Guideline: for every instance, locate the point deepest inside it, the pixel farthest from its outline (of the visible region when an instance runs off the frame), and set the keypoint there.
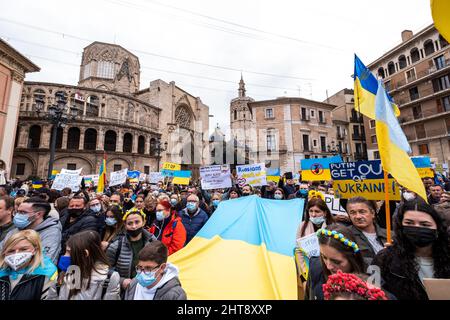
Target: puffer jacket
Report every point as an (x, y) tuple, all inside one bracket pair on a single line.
[(32, 286), (174, 233), (96, 287), (193, 223), (121, 259)]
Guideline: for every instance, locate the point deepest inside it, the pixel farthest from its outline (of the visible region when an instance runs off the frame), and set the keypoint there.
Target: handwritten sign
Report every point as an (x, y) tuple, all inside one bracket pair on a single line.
[(310, 244), (155, 177), (92, 177), (63, 180), (334, 206), (118, 177), (171, 166), (252, 174), (215, 177)]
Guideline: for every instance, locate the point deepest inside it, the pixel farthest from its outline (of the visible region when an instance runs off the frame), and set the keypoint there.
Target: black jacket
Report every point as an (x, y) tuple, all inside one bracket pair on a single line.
[(30, 287), (363, 243), (266, 194), (316, 279)]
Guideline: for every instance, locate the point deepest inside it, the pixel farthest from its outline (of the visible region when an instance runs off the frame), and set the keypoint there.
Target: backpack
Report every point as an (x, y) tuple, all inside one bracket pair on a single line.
[(105, 283)]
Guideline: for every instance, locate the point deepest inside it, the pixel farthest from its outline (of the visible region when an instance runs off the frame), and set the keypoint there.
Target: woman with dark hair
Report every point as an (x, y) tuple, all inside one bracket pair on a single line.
[(317, 215), (97, 280), (338, 251), (113, 225), (420, 250)]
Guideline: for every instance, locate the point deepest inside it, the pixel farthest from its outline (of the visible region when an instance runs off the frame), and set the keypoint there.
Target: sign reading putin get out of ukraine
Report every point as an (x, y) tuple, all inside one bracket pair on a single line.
[(362, 178)]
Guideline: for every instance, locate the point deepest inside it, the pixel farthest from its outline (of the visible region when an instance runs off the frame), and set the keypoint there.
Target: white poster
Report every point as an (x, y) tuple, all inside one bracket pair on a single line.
[(63, 180), (215, 177), (93, 177), (310, 244), (155, 177), (252, 174), (118, 177), (142, 177), (75, 172), (334, 205)]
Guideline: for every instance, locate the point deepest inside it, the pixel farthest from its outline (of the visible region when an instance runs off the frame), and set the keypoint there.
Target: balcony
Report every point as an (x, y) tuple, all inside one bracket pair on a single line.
[(410, 119), (423, 95)]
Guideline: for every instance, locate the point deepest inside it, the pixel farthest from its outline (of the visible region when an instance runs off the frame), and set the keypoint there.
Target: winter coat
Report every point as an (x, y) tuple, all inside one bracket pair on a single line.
[(96, 287), (193, 223), (120, 254), (32, 286), (5, 229), (309, 228), (173, 235), (50, 233), (168, 288), (316, 279), (363, 243)]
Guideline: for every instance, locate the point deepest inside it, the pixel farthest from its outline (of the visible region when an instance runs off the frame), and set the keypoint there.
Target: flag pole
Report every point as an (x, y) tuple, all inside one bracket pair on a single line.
[(387, 207)]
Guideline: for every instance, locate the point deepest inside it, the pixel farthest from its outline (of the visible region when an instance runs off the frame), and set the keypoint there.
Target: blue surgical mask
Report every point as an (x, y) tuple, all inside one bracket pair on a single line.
[(303, 192), (215, 203), (146, 280), (191, 206), (21, 221), (278, 196), (110, 221), (160, 215), (173, 202), (64, 263), (317, 220), (97, 208)]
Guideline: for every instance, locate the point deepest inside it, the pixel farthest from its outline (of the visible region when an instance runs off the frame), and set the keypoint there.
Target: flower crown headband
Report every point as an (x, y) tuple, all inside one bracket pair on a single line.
[(339, 236), (134, 211), (346, 282), (316, 194)]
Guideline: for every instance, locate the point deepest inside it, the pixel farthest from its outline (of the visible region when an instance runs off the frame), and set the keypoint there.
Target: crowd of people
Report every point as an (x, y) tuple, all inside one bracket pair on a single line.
[(119, 240)]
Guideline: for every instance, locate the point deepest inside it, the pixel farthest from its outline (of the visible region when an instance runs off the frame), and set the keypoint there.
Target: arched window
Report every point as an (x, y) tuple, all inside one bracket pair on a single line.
[(90, 139), (110, 141), (152, 146), (92, 104), (235, 114), (141, 145), (428, 47), (415, 55), (183, 117), (402, 62), (381, 72), (128, 142), (34, 137), (73, 139), (391, 68)]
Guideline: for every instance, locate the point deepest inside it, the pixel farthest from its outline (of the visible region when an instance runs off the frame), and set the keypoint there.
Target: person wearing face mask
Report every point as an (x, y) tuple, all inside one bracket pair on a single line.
[(278, 194), (317, 215), (247, 190), (25, 273), (175, 202), (150, 209), (113, 226), (193, 217), (96, 208), (420, 249), (33, 214), (123, 251), (168, 227), (215, 200), (303, 190), (156, 278), (77, 218), (268, 191)]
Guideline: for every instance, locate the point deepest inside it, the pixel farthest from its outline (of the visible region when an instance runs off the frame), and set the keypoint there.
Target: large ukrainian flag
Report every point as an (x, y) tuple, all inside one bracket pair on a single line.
[(244, 251), (318, 169), (366, 87), (440, 10)]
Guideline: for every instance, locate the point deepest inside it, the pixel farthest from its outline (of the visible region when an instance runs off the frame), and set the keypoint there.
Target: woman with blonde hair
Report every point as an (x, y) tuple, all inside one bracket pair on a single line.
[(25, 273)]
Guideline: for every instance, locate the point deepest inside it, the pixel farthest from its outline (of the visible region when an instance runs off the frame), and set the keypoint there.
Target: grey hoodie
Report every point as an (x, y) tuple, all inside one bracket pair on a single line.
[(50, 233)]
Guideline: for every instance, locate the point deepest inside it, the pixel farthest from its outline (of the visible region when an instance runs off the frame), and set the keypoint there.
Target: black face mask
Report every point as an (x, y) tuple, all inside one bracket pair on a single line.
[(75, 213), (420, 237), (134, 233), (245, 194)]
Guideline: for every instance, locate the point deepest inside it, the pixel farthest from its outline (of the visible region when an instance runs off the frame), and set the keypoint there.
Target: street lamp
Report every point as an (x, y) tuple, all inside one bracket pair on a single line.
[(158, 149), (58, 115)]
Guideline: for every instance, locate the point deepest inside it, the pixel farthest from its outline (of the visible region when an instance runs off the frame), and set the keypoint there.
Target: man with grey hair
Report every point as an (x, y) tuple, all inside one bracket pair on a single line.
[(193, 217)]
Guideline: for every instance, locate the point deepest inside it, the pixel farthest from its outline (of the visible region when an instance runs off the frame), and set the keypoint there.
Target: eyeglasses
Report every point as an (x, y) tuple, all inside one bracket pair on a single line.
[(146, 270)]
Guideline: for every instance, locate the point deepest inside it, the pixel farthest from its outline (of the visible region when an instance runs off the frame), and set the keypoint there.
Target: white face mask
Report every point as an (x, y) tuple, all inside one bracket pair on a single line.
[(408, 196), (17, 260)]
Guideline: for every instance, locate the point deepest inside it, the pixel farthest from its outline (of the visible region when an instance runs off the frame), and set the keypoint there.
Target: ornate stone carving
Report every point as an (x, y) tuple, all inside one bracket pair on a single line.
[(125, 71), (183, 117)]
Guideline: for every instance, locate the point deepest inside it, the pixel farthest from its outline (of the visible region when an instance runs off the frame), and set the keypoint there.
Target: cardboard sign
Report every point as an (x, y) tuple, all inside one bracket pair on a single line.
[(182, 177), (63, 180), (118, 177), (252, 174), (334, 206), (362, 178), (155, 177), (215, 177), (437, 289), (310, 244), (171, 166)]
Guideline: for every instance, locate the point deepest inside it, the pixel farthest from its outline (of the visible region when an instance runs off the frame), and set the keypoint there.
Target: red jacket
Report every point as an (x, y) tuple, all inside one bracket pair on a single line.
[(173, 235)]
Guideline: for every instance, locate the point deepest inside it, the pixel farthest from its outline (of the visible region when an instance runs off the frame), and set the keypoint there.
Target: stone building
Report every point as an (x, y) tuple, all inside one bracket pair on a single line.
[(416, 73), (114, 117), (13, 67), (282, 131)]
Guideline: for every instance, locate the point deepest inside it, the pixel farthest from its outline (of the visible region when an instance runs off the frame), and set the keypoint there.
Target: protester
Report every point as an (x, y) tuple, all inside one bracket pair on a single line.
[(289, 187), (61, 203), (193, 217), (435, 194), (97, 280), (156, 278), (116, 198), (123, 251), (368, 235), (215, 200), (25, 273), (428, 182), (95, 206), (268, 191), (6, 211), (168, 227), (338, 251), (420, 249), (317, 215), (247, 190), (303, 190), (114, 226), (278, 194)]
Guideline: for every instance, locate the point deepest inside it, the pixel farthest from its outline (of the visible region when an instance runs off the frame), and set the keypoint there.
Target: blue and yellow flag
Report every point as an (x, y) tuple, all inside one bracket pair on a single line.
[(273, 174), (394, 146), (423, 166), (181, 177), (37, 184), (440, 10), (318, 169), (245, 251), (134, 175), (102, 176), (366, 86)]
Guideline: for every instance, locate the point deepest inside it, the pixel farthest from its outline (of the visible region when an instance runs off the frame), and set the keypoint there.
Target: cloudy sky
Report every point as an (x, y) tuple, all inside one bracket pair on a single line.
[(283, 48)]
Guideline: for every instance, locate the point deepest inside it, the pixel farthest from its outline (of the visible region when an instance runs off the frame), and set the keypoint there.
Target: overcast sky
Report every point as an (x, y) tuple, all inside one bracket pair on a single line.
[(284, 47)]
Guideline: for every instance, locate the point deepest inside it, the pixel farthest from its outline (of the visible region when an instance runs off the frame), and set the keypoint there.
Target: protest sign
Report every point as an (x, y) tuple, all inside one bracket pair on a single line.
[(318, 169), (309, 244), (215, 177), (273, 174), (155, 177), (171, 166), (181, 177), (118, 177), (64, 180), (252, 174), (67, 171), (423, 165), (334, 206), (134, 175), (437, 289), (142, 177), (91, 178), (362, 178)]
